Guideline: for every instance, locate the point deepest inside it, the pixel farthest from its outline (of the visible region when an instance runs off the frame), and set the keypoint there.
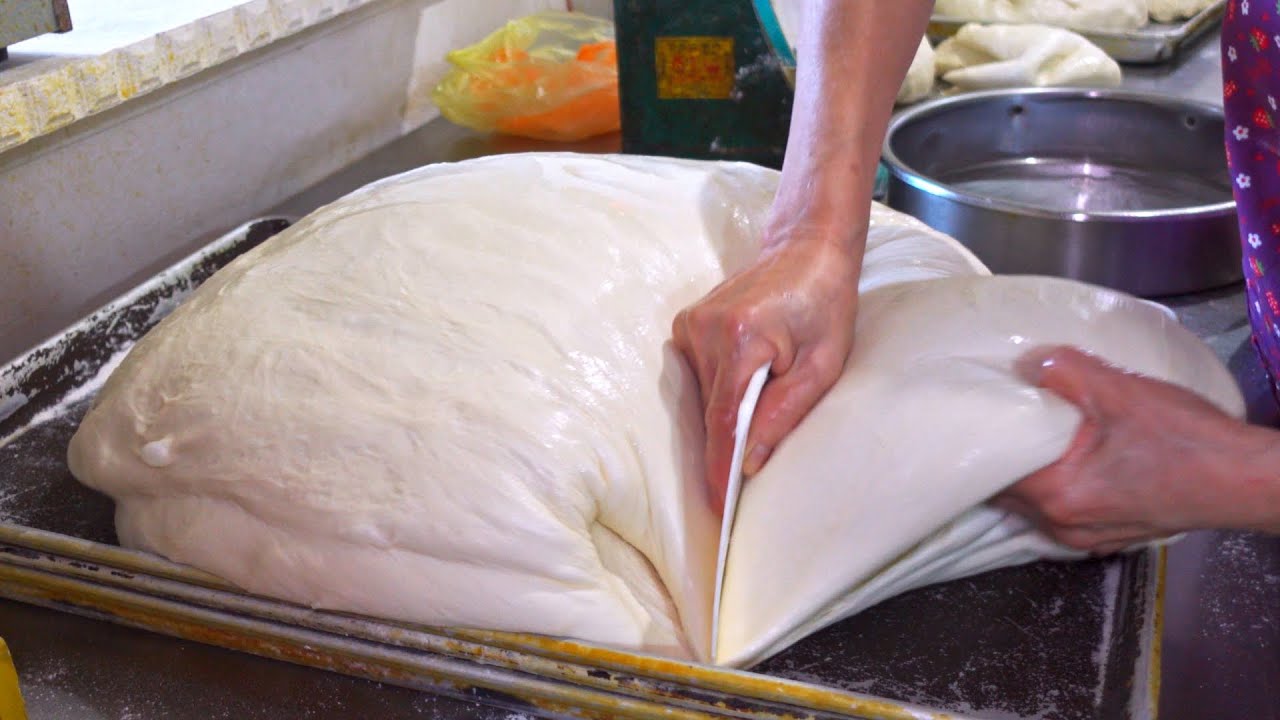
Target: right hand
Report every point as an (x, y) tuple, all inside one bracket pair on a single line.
[(1149, 460), (794, 308)]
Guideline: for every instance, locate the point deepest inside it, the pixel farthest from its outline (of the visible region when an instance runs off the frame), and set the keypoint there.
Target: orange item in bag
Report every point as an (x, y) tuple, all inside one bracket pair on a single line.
[(550, 76)]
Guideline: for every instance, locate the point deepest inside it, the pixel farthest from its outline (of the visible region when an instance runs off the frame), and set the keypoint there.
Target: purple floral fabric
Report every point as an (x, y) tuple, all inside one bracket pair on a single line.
[(1250, 86)]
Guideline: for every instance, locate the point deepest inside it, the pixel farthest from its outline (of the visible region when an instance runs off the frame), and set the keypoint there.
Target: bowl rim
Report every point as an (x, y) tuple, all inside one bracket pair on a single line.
[(907, 174)]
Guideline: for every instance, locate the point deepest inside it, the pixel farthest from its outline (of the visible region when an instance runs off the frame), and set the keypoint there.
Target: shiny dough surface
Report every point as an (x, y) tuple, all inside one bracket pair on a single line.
[(450, 398)]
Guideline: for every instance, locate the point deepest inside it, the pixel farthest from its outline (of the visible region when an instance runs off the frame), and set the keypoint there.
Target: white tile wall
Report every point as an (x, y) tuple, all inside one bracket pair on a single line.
[(110, 198)]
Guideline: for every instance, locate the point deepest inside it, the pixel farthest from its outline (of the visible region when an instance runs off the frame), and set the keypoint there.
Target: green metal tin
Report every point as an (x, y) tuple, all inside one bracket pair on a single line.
[(749, 123), (679, 44)]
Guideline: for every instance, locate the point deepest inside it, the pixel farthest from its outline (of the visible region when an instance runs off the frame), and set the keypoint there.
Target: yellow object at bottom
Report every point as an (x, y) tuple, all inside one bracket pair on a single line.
[(11, 705)]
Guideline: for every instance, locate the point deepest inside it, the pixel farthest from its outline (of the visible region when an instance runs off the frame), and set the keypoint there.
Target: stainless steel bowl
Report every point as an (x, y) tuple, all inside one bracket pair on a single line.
[(1120, 189)]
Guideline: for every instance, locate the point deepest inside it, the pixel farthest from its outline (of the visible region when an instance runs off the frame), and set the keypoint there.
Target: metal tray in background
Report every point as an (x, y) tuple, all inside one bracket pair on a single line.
[(1059, 641), (1148, 45)]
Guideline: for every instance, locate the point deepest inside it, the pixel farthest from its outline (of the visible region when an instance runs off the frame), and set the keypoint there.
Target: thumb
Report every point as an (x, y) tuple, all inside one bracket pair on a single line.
[(785, 401), (721, 418), (1077, 377)]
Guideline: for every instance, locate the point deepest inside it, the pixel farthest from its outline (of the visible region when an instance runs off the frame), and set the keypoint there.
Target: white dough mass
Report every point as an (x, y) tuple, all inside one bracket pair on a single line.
[(986, 57), (1169, 11), (918, 83), (449, 398), (1105, 15)]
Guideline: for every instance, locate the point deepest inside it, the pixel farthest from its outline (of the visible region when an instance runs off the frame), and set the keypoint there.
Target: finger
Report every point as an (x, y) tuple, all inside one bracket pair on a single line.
[(1032, 490), (1099, 539), (1125, 544), (1103, 540), (702, 364), (728, 388), (680, 332), (1076, 377), (786, 401), (1011, 502)]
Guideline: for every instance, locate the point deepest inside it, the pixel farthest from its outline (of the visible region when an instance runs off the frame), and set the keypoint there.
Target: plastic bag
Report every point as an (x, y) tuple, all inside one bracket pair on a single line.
[(549, 76)]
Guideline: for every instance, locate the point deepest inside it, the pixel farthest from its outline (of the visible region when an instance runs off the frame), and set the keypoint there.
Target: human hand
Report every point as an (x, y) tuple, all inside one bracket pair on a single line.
[(795, 308), (1149, 459)]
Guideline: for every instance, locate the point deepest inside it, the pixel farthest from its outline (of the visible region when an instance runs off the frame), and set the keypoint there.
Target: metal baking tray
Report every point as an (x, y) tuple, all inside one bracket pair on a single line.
[(1148, 45), (1054, 641)]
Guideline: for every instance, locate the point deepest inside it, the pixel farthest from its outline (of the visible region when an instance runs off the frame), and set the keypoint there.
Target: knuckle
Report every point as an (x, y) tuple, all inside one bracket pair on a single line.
[(717, 323), (680, 336), (1050, 493), (697, 321), (1056, 513), (737, 320), (826, 365), (1078, 539), (680, 322), (720, 412), (1063, 508)]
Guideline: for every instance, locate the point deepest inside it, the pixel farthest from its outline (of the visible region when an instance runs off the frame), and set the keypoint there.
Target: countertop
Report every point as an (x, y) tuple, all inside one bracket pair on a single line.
[(1222, 622)]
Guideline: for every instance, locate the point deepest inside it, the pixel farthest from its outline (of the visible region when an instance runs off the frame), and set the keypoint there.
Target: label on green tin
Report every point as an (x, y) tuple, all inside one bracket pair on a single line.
[(694, 67)]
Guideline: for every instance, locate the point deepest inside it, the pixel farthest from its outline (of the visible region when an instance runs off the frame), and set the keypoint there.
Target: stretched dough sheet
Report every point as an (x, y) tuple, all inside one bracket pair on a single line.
[(928, 421), (733, 488)]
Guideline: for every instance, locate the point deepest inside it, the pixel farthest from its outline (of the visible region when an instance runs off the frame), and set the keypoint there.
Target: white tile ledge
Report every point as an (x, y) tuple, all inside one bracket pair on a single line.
[(42, 96)]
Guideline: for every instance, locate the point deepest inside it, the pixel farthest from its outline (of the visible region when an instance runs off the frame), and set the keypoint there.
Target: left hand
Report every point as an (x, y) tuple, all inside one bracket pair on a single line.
[(794, 310), (1149, 460)]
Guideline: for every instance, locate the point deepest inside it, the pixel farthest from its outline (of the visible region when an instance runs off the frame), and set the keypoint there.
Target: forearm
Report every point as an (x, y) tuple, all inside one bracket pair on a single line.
[(852, 58), (1250, 486)]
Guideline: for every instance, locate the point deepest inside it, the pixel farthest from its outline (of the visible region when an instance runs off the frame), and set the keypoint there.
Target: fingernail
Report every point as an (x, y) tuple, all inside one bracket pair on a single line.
[(755, 460)]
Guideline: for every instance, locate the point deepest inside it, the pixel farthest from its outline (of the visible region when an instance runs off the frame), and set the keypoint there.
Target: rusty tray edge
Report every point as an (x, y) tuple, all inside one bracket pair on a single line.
[(91, 579)]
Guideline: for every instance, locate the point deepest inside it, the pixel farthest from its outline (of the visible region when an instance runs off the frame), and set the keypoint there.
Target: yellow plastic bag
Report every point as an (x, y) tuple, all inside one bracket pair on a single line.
[(549, 76)]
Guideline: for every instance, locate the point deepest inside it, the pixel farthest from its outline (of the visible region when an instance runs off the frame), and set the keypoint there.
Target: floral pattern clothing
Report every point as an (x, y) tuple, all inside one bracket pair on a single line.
[(1250, 91)]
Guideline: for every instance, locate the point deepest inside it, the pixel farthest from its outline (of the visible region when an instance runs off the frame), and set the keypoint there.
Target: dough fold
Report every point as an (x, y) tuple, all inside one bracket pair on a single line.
[(919, 80), (984, 57), (1170, 11), (449, 398)]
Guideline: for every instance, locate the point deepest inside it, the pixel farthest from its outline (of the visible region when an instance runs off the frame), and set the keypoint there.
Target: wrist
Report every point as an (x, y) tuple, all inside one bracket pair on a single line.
[(803, 213), (830, 244), (832, 188), (1249, 480)]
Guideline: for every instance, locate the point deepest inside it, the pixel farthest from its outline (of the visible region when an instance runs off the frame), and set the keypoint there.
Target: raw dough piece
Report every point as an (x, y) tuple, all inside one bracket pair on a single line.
[(919, 81), (1106, 15), (983, 57), (1169, 11), (449, 398)]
